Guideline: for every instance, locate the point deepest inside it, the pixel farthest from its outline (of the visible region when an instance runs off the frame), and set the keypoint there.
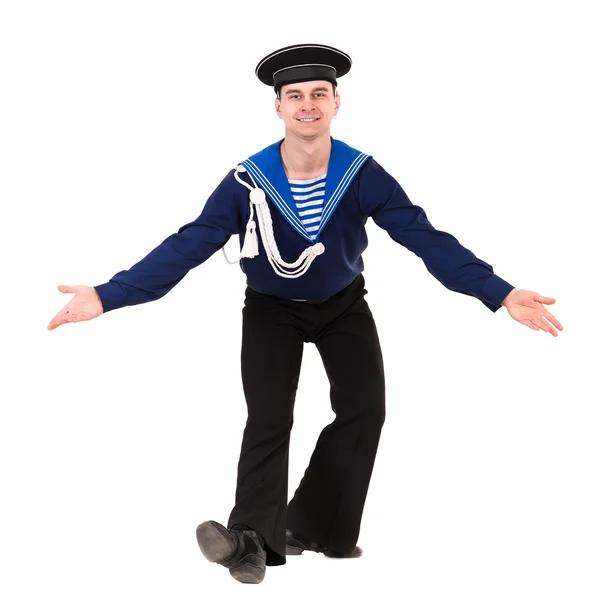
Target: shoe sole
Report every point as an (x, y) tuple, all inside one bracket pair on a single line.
[(295, 551), (214, 541), (356, 553), (216, 546), (247, 573)]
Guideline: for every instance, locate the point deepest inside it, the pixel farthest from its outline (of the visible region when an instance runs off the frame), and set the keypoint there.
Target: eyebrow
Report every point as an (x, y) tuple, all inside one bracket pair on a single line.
[(318, 89)]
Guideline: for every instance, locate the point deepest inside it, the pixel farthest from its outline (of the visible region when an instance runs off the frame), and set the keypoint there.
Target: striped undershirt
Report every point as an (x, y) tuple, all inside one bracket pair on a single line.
[(309, 194)]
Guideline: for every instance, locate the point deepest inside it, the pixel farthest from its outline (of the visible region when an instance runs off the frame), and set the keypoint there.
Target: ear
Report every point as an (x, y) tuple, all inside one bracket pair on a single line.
[(337, 104), (278, 107)]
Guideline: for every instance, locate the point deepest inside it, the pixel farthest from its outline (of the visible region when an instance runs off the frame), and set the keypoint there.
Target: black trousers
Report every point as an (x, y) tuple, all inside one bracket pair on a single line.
[(327, 507)]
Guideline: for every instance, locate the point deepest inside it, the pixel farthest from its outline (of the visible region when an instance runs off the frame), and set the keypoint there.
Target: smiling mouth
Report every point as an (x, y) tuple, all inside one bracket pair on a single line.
[(309, 120)]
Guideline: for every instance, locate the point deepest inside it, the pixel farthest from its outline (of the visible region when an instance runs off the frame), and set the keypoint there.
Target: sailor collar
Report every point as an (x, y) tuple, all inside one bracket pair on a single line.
[(266, 167)]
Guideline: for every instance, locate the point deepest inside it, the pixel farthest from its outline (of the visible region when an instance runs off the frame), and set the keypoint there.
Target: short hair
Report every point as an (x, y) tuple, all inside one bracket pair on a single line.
[(278, 91)]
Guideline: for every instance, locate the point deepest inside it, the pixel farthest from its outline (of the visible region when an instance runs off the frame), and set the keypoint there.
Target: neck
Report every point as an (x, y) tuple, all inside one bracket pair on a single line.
[(303, 159)]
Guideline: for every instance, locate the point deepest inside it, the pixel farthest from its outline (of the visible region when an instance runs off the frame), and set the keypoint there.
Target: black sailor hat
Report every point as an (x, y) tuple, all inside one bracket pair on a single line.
[(303, 62)]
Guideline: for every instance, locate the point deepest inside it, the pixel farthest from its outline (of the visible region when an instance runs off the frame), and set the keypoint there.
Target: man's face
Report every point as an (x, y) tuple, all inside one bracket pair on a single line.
[(307, 108)]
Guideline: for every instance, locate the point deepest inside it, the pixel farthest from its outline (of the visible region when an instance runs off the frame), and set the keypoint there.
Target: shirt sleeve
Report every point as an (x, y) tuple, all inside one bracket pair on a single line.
[(224, 214), (454, 266)]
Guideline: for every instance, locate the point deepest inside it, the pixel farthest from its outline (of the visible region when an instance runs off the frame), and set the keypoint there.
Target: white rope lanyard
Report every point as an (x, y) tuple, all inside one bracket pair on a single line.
[(250, 248)]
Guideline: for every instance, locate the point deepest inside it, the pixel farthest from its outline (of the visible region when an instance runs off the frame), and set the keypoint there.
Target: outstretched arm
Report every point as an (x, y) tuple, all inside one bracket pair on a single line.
[(456, 267), (223, 215)]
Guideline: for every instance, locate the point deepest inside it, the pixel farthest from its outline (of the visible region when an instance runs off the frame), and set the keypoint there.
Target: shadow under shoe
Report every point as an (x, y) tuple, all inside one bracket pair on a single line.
[(295, 546), (237, 550)]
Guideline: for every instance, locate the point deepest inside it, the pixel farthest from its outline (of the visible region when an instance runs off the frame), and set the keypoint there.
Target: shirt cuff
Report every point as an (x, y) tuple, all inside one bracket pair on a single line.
[(111, 295), (494, 290)]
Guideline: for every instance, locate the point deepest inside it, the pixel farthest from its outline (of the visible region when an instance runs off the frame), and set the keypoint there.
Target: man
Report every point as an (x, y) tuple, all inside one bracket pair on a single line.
[(309, 196)]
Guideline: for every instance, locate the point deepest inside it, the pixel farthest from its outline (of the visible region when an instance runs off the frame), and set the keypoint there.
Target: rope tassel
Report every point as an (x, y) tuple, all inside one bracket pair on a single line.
[(250, 248)]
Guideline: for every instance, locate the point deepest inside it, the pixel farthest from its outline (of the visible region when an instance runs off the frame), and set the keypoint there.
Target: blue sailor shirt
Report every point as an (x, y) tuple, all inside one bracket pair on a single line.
[(373, 193)]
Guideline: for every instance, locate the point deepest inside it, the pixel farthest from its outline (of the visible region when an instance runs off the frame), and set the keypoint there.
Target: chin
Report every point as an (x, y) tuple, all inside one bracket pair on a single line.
[(312, 133)]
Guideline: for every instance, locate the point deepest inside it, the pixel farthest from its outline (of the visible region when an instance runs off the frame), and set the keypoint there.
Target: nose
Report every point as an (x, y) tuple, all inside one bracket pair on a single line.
[(307, 104)]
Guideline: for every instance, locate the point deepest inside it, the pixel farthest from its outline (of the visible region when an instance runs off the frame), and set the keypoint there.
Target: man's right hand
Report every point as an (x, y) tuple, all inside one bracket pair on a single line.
[(85, 305)]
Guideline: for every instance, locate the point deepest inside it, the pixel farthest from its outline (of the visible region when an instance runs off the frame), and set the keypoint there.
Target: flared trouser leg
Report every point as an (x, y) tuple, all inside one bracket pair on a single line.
[(271, 356), (327, 507)]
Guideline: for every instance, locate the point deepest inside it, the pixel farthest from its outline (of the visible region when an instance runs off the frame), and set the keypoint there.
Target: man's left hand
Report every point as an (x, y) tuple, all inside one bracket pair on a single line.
[(527, 307)]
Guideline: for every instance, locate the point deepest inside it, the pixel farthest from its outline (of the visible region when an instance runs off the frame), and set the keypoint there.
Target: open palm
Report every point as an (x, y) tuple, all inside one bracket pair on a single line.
[(85, 305), (528, 308)]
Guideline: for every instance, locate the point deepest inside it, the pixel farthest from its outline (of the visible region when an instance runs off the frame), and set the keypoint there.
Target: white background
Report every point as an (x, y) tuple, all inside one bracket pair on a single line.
[(119, 435)]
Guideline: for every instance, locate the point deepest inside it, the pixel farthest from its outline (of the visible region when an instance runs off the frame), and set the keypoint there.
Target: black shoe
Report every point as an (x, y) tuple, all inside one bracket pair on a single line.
[(237, 550), (294, 546)]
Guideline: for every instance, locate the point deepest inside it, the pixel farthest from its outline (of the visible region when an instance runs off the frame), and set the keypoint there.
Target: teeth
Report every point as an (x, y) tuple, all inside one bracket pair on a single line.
[(308, 119)]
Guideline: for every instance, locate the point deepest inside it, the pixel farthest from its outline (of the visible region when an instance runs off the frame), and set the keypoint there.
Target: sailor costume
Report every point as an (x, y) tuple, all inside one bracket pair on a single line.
[(287, 262)]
